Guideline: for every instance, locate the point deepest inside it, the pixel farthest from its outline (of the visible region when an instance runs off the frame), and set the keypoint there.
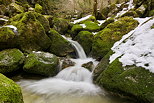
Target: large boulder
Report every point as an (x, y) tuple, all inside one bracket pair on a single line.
[(59, 46), (132, 81), (41, 63), (85, 38), (32, 28), (10, 92), (10, 60), (113, 32)]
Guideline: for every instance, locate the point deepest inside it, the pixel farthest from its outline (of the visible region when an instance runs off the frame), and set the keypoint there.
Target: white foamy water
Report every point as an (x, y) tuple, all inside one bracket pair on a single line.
[(72, 82)]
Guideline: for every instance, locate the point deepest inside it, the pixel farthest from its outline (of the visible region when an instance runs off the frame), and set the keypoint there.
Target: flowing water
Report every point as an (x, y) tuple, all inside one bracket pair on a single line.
[(71, 85)]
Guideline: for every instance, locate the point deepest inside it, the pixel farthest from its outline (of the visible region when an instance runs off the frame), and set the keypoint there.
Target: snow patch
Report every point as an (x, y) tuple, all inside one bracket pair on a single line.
[(83, 25), (137, 47), (3, 19), (82, 19)]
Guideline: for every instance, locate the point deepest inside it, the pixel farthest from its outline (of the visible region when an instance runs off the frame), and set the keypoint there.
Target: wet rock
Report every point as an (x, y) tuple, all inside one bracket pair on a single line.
[(67, 63), (10, 92), (88, 65), (10, 60), (41, 63)]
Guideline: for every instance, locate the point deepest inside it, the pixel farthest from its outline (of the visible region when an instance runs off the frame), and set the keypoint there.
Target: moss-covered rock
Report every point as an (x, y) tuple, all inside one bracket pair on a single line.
[(50, 19), (110, 10), (61, 25), (132, 81), (10, 60), (130, 13), (10, 92), (32, 28), (85, 38), (59, 46), (105, 39), (85, 26), (91, 26), (76, 29), (108, 21), (41, 63), (38, 8), (7, 38)]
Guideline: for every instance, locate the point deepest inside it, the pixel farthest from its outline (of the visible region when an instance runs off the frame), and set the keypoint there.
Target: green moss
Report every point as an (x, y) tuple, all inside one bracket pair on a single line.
[(108, 21), (59, 46), (32, 28), (91, 26), (76, 29), (102, 65), (41, 63), (10, 60), (91, 18), (38, 8), (85, 38), (132, 81), (113, 32), (9, 91)]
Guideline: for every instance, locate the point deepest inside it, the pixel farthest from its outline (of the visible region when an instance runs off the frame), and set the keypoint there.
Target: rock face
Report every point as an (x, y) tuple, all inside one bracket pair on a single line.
[(31, 28), (85, 38), (113, 32), (41, 63), (59, 46), (88, 66), (9, 91), (132, 81), (10, 60)]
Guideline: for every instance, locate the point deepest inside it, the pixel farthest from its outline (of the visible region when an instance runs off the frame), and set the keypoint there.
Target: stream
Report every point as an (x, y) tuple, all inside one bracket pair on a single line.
[(71, 85)]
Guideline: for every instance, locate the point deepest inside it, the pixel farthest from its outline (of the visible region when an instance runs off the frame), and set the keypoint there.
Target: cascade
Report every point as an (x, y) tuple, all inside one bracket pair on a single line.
[(74, 81)]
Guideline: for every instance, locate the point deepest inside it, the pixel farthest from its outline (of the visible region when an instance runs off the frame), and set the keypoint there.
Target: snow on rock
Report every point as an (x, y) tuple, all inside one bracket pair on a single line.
[(12, 27), (101, 22), (83, 25), (137, 47), (82, 19), (130, 6), (3, 19)]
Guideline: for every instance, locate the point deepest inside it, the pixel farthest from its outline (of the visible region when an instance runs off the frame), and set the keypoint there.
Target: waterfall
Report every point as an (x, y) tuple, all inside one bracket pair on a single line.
[(80, 52), (73, 81)]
